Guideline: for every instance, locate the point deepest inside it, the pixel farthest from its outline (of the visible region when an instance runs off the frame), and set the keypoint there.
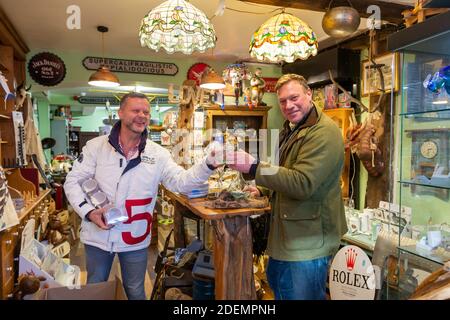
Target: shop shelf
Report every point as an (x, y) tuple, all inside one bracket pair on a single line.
[(428, 255), (431, 185)]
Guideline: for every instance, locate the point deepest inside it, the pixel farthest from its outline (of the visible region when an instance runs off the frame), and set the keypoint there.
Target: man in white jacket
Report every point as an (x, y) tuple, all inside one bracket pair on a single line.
[(128, 168)]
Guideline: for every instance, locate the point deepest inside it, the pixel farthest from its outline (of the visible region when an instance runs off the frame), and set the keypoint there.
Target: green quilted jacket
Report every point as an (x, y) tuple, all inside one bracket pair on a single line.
[(308, 219)]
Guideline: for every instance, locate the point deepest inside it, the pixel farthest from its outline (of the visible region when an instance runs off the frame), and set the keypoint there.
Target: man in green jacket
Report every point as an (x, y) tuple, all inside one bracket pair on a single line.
[(308, 219)]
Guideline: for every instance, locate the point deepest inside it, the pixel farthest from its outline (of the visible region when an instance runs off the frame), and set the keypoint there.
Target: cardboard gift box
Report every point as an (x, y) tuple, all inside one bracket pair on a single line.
[(109, 290)]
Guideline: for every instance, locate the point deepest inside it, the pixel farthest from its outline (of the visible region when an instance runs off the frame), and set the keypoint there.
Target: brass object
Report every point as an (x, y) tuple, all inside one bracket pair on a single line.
[(103, 74), (212, 81), (340, 22)]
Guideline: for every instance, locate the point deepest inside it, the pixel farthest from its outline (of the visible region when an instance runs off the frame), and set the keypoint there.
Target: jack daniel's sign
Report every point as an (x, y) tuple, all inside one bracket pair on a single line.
[(131, 66), (47, 69), (352, 276)]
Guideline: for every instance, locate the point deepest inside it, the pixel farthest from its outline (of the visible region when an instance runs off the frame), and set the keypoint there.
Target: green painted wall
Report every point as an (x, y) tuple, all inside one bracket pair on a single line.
[(92, 122), (43, 111)]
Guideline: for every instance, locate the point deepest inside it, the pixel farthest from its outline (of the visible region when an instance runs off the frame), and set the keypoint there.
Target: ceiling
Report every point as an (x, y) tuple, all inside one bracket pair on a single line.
[(42, 25)]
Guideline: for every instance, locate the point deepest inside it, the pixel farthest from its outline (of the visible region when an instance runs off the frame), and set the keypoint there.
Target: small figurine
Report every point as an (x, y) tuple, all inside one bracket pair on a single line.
[(439, 80), (248, 97), (257, 85), (21, 94), (234, 74)]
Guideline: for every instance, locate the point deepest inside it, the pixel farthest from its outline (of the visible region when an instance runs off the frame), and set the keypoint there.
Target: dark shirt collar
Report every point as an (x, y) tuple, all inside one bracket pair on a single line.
[(308, 120), (114, 138)]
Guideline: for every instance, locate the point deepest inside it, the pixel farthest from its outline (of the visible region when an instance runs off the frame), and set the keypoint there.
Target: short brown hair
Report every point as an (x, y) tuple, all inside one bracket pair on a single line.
[(130, 95), (291, 77)]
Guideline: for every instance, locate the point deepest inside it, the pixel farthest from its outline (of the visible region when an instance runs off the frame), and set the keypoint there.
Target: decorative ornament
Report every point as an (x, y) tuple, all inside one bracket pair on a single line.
[(177, 26), (340, 22), (196, 71), (234, 74), (258, 86), (283, 37), (441, 79)]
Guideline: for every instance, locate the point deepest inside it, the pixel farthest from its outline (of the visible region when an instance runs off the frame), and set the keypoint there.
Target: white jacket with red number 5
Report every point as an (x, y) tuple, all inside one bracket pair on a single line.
[(131, 187)]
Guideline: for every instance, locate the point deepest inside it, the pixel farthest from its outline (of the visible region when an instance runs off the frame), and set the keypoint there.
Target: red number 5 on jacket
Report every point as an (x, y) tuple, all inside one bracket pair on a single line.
[(129, 204)]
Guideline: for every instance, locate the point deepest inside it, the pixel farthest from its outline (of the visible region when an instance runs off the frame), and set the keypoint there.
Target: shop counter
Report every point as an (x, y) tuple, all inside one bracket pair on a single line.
[(233, 249)]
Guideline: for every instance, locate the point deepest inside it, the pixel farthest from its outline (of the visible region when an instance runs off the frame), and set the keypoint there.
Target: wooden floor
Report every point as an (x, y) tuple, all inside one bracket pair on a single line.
[(77, 257)]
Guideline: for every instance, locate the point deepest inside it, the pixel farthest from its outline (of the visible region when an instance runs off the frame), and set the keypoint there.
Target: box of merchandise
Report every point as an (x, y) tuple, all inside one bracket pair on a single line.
[(109, 290), (40, 260)]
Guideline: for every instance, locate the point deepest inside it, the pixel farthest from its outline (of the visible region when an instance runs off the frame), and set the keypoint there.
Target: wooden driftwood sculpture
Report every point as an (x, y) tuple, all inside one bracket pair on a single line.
[(434, 287), (176, 294), (235, 200)]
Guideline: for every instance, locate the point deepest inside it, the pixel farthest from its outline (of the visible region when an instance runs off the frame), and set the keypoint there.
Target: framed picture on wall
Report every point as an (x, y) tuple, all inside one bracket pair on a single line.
[(318, 97), (371, 81), (331, 96)]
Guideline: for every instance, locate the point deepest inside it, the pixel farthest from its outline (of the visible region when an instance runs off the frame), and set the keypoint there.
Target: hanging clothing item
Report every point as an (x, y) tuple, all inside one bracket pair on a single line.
[(33, 144)]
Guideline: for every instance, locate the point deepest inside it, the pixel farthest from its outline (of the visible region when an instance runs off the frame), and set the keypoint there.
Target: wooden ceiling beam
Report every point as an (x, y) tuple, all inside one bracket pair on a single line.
[(10, 37), (389, 11)]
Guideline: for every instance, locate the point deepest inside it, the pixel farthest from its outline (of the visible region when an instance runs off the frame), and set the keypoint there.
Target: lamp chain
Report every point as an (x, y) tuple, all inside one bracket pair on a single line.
[(103, 48)]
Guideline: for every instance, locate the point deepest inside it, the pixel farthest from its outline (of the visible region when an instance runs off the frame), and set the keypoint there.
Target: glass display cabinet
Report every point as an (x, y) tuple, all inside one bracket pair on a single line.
[(422, 181)]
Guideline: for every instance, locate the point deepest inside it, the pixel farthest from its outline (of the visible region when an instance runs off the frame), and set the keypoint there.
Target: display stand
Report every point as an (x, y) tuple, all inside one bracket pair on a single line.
[(233, 255)]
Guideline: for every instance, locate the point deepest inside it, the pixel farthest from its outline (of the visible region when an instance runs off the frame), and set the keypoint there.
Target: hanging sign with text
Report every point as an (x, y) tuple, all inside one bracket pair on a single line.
[(131, 66), (47, 69), (352, 276)]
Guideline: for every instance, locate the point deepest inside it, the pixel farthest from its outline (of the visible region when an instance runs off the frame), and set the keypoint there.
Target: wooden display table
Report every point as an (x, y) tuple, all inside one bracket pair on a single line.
[(233, 250)]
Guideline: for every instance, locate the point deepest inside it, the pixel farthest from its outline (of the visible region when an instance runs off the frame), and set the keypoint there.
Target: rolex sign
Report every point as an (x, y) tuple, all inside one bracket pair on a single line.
[(352, 276)]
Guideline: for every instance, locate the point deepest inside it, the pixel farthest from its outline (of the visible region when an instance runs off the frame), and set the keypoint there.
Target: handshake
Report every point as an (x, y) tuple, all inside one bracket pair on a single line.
[(237, 160)]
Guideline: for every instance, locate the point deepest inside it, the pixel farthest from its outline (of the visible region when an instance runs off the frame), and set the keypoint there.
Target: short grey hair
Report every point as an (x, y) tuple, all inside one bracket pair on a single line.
[(131, 95), (291, 77)]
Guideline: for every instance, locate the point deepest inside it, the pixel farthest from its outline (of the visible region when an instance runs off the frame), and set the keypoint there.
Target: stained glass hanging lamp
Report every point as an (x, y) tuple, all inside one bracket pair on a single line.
[(283, 37), (177, 26)]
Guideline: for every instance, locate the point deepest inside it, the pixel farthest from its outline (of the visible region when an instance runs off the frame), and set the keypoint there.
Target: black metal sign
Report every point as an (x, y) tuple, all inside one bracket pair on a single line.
[(114, 101), (131, 66), (98, 100), (47, 69)]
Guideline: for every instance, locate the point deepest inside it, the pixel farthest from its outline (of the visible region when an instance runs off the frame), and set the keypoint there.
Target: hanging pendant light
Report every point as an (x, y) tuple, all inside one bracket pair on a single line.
[(177, 26), (283, 37), (103, 77), (212, 81), (340, 22)]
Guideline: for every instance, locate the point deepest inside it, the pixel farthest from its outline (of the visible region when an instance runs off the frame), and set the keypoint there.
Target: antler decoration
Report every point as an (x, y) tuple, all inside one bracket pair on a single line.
[(347, 96)]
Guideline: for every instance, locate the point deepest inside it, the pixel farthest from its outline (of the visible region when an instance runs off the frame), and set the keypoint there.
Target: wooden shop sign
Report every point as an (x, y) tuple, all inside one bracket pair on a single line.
[(47, 69), (131, 66)]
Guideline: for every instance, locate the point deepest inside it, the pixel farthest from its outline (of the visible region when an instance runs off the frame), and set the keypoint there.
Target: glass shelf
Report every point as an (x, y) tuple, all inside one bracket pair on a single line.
[(433, 114), (410, 182), (422, 254), (421, 179)]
